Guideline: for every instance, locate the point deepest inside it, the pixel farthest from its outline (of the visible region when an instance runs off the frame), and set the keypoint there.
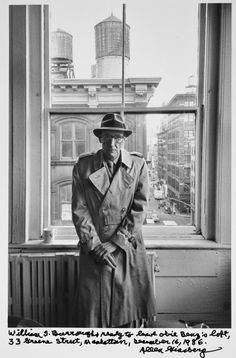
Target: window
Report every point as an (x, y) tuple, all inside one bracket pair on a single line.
[(72, 140), (158, 138), (31, 155), (60, 200), (61, 203), (189, 133), (189, 118), (187, 158), (167, 178)]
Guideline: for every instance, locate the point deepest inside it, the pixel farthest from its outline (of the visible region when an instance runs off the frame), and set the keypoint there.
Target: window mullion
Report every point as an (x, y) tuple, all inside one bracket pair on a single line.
[(223, 199), (73, 140), (18, 100), (132, 110), (211, 91), (199, 116)]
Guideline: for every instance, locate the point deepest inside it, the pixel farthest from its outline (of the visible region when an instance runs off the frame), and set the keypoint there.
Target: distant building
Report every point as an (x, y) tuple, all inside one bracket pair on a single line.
[(175, 143), (72, 135)]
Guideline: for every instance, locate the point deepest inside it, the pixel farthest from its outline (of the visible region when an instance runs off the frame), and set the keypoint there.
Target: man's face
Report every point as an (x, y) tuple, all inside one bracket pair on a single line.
[(112, 143)]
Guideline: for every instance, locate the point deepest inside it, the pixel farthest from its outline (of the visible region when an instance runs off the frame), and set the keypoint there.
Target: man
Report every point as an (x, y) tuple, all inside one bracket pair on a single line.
[(109, 198)]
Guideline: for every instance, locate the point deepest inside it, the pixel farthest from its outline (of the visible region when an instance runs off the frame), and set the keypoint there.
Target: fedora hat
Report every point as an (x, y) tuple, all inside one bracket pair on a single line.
[(112, 122)]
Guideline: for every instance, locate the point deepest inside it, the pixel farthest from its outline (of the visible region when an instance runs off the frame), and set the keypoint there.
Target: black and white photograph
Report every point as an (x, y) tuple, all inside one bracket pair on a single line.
[(118, 204)]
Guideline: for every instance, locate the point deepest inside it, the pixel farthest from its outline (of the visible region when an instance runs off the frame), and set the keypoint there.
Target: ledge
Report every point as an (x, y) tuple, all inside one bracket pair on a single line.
[(188, 243), (155, 238), (194, 243)]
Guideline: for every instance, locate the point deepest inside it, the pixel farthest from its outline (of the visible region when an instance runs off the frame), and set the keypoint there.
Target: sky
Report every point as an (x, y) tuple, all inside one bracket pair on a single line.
[(163, 38)]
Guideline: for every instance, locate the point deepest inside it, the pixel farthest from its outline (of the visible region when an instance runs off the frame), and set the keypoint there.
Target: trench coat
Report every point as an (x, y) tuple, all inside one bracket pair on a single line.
[(101, 211)]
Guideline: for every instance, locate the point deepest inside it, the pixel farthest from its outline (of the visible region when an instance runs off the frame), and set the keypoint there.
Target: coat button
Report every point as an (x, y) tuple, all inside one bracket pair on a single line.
[(123, 210)]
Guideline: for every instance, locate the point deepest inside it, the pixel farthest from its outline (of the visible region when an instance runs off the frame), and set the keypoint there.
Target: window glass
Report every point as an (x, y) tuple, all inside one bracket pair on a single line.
[(66, 131), (86, 45), (172, 189), (65, 193), (61, 203), (86, 73), (79, 148), (66, 212), (72, 142), (65, 202), (67, 149), (169, 153), (79, 131)]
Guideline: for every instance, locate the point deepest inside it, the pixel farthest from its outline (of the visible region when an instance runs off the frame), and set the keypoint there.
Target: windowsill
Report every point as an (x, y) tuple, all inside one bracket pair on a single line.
[(154, 238), (161, 244)]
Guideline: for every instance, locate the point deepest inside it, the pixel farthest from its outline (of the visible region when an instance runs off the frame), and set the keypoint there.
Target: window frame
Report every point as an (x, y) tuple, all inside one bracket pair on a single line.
[(190, 230), (29, 41)]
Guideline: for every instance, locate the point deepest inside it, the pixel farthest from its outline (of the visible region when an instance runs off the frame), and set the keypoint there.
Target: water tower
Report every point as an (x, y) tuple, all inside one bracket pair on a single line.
[(61, 55), (108, 42)]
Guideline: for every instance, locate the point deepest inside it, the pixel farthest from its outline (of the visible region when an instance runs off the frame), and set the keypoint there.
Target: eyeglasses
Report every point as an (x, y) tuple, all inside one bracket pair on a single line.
[(107, 138)]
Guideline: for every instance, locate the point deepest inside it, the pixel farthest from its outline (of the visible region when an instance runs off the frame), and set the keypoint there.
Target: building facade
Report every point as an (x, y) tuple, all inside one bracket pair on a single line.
[(175, 143)]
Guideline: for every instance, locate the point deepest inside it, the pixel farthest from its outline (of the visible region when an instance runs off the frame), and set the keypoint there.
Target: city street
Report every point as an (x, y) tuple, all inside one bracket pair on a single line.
[(156, 214)]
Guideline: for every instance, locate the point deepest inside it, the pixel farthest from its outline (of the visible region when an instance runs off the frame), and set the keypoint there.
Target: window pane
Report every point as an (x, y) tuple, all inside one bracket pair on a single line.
[(86, 73), (67, 149), (65, 193), (86, 46), (170, 170), (66, 131), (66, 212), (68, 192), (79, 131), (169, 151), (79, 148)]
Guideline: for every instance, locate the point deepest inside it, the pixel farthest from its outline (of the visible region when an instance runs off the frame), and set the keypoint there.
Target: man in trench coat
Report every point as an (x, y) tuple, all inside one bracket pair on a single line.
[(109, 199)]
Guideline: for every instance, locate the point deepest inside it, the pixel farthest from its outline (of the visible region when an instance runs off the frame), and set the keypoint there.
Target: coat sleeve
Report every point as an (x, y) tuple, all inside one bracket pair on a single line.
[(88, 237), (134, 219)]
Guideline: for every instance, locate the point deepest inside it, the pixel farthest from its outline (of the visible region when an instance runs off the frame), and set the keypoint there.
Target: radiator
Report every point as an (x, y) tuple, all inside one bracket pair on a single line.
[(42, 286)]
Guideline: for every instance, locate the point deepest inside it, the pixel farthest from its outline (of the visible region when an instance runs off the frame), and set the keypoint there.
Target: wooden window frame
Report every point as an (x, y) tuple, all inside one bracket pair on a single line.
[(30, 112)]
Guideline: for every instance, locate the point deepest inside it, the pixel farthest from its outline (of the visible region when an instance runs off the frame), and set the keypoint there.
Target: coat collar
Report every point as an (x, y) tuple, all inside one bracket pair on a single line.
[(98, 160), (100, 178), (125, 159)]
